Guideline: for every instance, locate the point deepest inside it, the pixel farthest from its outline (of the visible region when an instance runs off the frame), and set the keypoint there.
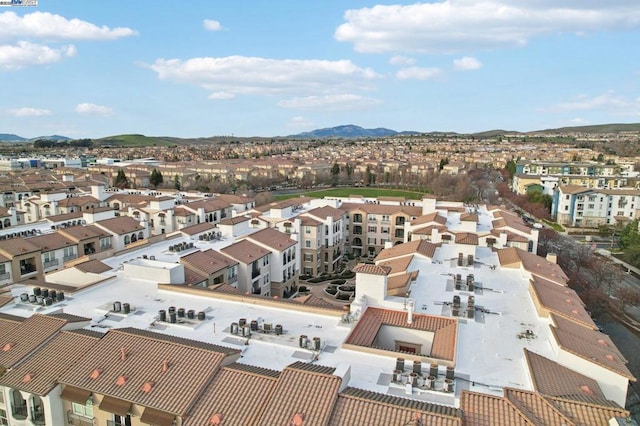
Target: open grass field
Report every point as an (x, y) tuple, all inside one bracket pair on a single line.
[(134, 140), (345, 192)]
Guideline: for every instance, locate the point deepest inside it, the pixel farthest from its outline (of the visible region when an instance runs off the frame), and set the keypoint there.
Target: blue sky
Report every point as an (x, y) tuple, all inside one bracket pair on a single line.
[(266, 68)]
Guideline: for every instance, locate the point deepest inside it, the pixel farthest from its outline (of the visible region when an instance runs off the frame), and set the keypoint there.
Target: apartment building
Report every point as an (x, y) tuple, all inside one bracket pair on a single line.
[(576, 206)]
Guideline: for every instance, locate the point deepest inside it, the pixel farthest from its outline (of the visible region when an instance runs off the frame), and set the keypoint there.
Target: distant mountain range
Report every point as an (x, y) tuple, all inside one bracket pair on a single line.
[(10, 137), (350, 131), (345, 131)]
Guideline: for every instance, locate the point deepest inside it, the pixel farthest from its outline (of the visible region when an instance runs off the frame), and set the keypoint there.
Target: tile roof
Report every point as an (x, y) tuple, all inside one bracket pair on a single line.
[(444, 329), (540, 266), (92, 266), (272, 238), (369, 269), (208, 262), (552, 379), (487, 410), (27, 336), (429, 218), (197, 229), (423, 247), (587, 413), (39, 373), (53, 241), (509, 257), (80, 232), (245, 251), (561, 301), (468, 238), (5, 300), (535, 407), (190, 367), (239, 393), (397, 265), (573, 189), (383, 209), (326, 211), (469, 217), (592, 345), (120, 225), (361, 407), (235, 220), (307, 389), (16, 247)]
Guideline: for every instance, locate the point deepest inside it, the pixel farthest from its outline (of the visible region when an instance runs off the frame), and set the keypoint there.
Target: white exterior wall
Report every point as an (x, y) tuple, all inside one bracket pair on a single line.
[(614, 386), (163, 272), (372, 287)]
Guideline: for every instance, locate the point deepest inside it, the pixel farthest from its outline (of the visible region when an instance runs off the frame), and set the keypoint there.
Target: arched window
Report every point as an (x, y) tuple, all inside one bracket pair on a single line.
[(140, 235), (127, 240)]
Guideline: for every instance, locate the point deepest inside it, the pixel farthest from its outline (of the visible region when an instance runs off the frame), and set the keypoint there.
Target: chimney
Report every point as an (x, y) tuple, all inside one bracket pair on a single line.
[(123, 354), (410, 305), (552, 257), (298, 420)]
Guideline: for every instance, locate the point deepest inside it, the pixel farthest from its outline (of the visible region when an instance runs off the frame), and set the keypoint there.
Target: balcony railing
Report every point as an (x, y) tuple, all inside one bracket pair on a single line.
[(19, 412), (50, 263), (37, 416), (69, 257), (78, 420), (5, 276)]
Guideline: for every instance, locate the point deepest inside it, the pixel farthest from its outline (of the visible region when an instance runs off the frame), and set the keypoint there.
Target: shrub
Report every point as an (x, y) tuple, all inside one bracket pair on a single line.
[(343, 296), (303, 289), (338, 282), (331, 290)]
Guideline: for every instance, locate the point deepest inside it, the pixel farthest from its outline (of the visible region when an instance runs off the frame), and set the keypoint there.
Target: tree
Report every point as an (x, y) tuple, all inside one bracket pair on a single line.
[(176, 183), (335, 169), (511, 167), (443, 162), (156, 178), (121, 180)]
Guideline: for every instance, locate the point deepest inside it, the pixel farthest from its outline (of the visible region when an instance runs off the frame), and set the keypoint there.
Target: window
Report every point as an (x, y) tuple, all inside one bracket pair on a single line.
[(83, 410), (372, 229), (371, 217), (371, 241), (105, 242), (3, 418), (385, 229), (265, 261), (49, 256), (308, 258), (357, 217), (307, 229), (307, 244), (231, 273), (69, 251), (385, 218), (3, 270)]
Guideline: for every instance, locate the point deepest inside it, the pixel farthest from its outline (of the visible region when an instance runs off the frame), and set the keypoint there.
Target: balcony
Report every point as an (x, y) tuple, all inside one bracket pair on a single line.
[(78, 420), (255, 273)]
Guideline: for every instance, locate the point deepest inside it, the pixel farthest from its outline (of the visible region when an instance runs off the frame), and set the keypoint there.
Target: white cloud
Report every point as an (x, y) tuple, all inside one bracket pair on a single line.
[(448, 26), (466, 63), (93, 109), (55, 27), (253, 75), (418, 73), (222, 95), (401, 60), (578, 121), (341, 102), (29, 112), (608, 100), (299, 122), (211, 25), (24, 54)]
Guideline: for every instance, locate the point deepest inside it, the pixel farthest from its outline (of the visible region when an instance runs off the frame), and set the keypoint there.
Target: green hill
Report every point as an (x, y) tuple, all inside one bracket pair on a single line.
[(134, 140)]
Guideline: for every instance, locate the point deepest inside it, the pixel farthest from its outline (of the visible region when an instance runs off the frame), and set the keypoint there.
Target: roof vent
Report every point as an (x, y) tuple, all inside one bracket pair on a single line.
[(121, 381), (216, 420), (146, 388), (297, 420), (8, 346), (586, 389), (28, 377), (165, 366), (95, 373), (609, 357), (123, 354)]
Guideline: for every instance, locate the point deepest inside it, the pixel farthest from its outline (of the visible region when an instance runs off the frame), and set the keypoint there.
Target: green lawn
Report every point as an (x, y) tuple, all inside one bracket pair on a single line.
[(345, 192)]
